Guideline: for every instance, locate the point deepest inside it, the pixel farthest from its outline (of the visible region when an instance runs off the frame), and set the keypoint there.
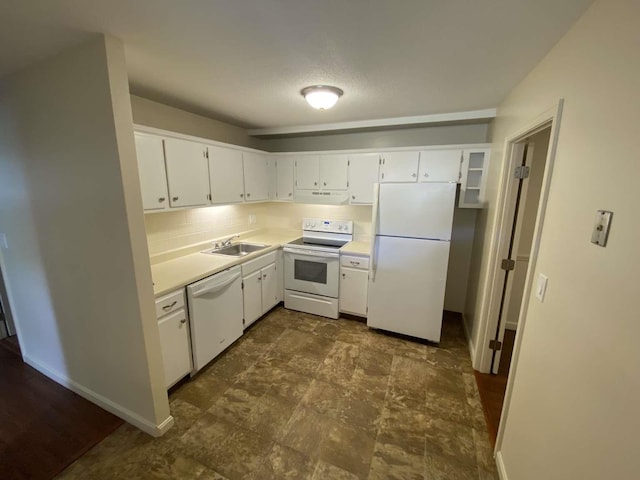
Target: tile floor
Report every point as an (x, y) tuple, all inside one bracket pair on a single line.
[(303, 397)]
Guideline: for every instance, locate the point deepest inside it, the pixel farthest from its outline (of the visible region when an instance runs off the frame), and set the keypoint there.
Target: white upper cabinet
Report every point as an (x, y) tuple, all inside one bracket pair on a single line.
[(187, 173), (284, 178), (399, 166), (334, 172), (256, 177), (440, 165), (153, 177), (473, 181), (363, 174), (226, 175), (307, 172)]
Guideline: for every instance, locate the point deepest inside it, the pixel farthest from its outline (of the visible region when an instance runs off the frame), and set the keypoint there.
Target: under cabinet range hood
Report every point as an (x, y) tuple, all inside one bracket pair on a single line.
[(322, 197)]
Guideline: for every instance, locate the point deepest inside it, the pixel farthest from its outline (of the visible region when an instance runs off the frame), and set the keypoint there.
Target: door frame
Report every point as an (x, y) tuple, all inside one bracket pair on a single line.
[(549, 118)]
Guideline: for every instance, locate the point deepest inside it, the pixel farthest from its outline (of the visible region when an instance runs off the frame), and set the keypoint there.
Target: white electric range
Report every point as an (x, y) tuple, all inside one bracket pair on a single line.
[(312, 266)]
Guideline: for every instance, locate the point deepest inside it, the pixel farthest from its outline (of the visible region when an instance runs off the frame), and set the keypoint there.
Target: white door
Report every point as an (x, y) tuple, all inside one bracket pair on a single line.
[(153, 177), (256, 177), (307, 172), (226, 175), (174, 343), (187, 173), (269, 287), (334, 172), (399, 166), (284, 179), (440, 165), (363, 174), (419, 210), (406, 286), (252, 297), (353, 291)]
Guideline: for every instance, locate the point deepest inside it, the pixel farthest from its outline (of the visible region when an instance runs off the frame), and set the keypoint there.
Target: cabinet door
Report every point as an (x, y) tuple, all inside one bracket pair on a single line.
[(307, 172), (284, 178), (334, 172), (226, 175), (187, 173), (363, 173), (252, 297), (353, 291), (473, 181), (174, 343), (440, 166), (280, 274), (269, 287), (399, 167), (153, 177), (256, 177)]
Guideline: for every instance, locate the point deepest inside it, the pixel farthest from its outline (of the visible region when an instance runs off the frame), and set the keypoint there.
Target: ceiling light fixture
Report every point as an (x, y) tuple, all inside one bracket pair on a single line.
[(321, 97)]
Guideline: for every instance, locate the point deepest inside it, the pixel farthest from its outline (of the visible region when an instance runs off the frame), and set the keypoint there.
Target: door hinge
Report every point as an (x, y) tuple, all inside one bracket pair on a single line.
[(521, 172), (507, 264), (244, 321), (242, 285), (382, 175), (495, 345)]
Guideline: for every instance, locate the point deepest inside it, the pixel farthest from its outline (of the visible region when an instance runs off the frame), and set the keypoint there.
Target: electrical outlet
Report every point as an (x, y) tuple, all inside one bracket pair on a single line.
[(252, 219), (541, 287)]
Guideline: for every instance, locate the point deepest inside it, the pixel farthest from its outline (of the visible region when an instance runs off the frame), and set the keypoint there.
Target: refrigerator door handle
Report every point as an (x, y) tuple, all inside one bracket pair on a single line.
[(374, 231)]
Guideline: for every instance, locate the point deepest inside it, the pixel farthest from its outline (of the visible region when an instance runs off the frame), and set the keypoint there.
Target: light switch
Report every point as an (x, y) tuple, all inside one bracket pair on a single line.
[(541, 287), (601, 228)]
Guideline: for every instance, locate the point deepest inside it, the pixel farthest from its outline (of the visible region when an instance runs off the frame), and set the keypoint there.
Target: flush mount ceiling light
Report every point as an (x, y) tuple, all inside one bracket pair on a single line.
[(321, 97)]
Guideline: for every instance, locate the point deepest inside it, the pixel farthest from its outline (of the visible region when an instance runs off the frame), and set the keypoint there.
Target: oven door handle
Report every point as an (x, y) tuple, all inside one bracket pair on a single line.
[(311, 253)]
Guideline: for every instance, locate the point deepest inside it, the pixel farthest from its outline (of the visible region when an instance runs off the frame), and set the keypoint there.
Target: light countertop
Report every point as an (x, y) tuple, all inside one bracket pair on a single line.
[(170, 275)]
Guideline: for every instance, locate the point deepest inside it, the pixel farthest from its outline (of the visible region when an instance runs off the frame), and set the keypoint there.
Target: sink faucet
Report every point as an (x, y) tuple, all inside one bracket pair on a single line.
[(227, 242)]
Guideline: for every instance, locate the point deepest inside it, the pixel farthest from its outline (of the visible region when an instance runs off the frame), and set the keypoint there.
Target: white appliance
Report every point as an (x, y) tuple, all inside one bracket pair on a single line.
[(312, 266), (409, 258), (215, 312)]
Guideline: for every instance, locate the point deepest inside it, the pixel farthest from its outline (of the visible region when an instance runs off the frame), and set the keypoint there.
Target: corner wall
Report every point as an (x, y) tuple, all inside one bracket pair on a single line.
[(76, 267), (575, 387)]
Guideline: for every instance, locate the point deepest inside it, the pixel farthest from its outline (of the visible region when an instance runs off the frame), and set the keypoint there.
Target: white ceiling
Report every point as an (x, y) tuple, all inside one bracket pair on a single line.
[(245, 61)]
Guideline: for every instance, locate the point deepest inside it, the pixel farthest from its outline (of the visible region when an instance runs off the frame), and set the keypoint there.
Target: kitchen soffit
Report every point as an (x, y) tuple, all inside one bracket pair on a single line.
[(245, 62)]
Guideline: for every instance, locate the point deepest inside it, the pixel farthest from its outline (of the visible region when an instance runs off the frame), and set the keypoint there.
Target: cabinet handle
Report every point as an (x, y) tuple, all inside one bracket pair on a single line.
[(248, 195), (259, 278), (161, 199), (344, 275), (426, 175), (353, 197), (264, 276), (315, 183), (413, 175), (166, 308), (184, 320), (290, 194), (354, 263), (325, 184), (241, 195), (175, 198)]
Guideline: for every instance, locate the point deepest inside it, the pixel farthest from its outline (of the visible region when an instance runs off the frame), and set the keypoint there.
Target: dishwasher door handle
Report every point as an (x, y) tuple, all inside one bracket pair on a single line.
[(214, 287)]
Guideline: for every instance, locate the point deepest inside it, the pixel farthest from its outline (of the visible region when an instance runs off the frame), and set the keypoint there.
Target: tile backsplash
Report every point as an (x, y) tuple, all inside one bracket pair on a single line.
[(173, 230)]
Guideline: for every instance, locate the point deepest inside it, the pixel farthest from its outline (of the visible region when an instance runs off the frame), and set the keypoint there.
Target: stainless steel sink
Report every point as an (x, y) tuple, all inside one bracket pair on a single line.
[(237, 249)]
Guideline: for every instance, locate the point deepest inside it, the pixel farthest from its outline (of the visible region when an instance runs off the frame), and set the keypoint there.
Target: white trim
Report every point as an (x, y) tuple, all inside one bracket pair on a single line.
[(502, 471), (470, 345), (115, 408), (511, 326), (552, 117), (486, 114)]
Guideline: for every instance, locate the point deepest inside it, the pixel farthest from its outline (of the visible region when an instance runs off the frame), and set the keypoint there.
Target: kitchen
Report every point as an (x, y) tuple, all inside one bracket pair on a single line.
[(65, 200)]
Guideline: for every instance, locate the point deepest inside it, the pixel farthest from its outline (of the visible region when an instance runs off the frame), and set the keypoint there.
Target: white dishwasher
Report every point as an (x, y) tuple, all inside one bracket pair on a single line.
[(215, 312)]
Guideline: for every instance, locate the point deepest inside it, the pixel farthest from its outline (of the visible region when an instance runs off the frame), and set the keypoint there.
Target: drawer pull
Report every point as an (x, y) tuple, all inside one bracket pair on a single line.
[(354, 263), (184, 320), (166, 308)]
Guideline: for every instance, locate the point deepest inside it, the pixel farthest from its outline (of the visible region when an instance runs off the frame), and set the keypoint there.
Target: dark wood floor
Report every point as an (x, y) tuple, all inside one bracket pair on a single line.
[(493, 387), (43, 426)]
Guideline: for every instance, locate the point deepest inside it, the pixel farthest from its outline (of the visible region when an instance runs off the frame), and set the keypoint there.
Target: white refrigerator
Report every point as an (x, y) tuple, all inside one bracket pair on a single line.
[(409, 257)]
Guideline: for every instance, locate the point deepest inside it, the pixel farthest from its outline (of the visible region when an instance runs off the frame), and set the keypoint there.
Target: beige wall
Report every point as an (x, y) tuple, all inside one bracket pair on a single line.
[(76, 267), (153, 114), (400, 137), (576, 388)]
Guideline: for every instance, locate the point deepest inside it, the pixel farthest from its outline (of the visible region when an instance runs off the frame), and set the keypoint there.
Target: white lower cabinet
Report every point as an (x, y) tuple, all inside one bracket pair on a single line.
[(261, 286), (174, 337), (354, 283)]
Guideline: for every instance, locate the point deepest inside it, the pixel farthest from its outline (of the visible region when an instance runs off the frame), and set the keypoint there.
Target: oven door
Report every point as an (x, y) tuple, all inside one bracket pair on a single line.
[(311, 271)]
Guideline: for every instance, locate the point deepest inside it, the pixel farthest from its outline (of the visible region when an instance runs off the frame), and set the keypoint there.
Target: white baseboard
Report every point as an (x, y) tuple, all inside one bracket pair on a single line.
[(502, 472), (110, 406), (470, 345)]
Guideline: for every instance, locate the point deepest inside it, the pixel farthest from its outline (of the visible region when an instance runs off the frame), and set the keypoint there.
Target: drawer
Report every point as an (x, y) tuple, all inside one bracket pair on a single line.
[(354, 262), (169, 303), (257, 263)]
